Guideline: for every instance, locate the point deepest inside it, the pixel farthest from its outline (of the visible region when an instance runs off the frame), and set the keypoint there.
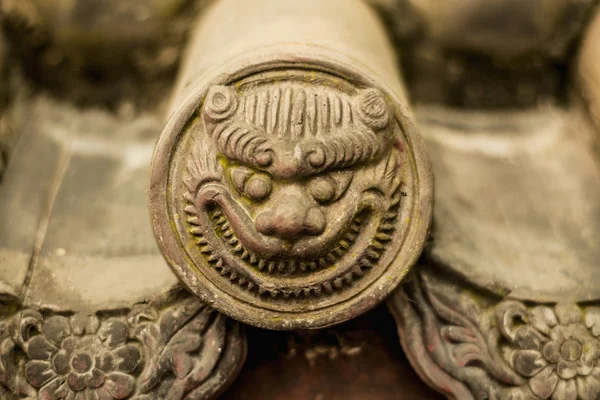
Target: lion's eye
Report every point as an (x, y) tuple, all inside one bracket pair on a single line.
[(322, 189), (255, 185), (258, 186), (330, 187)]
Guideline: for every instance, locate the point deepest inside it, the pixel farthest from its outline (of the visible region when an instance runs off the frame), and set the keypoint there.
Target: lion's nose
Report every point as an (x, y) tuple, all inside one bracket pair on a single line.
[(290, 218)]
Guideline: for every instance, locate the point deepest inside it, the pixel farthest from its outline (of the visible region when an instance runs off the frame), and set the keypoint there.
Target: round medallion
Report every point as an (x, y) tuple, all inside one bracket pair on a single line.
[(291, 197)]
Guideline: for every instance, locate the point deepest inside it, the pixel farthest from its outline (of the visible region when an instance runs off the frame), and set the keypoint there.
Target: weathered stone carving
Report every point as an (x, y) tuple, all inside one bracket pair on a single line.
[(470, 345), (185, 350), (294, 194)]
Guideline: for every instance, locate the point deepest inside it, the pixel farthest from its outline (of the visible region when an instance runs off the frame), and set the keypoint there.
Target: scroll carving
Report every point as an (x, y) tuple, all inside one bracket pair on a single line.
[(470, 347)]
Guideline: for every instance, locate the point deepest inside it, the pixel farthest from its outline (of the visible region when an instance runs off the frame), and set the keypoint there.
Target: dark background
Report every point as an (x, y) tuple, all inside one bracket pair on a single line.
[(359, 359)]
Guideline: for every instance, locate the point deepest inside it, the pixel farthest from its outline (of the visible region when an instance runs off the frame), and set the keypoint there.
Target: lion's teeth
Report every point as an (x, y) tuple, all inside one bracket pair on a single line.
[(378, 245), (205, 249), (372, 254), (383, 237), (238, 248), (191, 210), (390, 215), (387, 227), (365, 263), (281, 266), (350, 236), (194, 220), (292, 266)]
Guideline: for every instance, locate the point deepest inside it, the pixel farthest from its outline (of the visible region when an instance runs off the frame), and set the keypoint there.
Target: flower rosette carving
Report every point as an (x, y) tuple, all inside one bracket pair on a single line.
[(556, 348), (81, 358), (187, 350)]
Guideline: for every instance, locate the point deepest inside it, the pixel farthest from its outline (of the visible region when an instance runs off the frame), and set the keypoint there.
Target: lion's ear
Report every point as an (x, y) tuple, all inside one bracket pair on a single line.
[(220, 104), (373, 109)]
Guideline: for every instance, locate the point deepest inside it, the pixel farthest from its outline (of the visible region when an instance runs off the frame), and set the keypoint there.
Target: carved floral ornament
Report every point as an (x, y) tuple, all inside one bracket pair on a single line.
[(469, 348), (291, 197), (189, 351), (557, 350)]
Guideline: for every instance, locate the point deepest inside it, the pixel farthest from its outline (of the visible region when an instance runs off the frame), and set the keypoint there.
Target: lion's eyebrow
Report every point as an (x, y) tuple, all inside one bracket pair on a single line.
[(356, 145), (342, 129), (239, 141), (350, 147)]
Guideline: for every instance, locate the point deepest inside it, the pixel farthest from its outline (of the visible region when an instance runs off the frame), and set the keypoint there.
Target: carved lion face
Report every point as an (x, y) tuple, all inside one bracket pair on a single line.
[(291, 191)]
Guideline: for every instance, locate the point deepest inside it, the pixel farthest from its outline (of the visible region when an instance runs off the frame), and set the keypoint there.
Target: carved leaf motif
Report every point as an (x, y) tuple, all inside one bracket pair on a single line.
[(9, 376), (168, 344), (150, 336), (213, 345), (466, 338), (22, 324), (174, 319)]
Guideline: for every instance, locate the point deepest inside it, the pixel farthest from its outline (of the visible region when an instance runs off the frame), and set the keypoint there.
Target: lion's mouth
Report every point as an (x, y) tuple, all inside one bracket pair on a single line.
[(355, 247), (282, 264)]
